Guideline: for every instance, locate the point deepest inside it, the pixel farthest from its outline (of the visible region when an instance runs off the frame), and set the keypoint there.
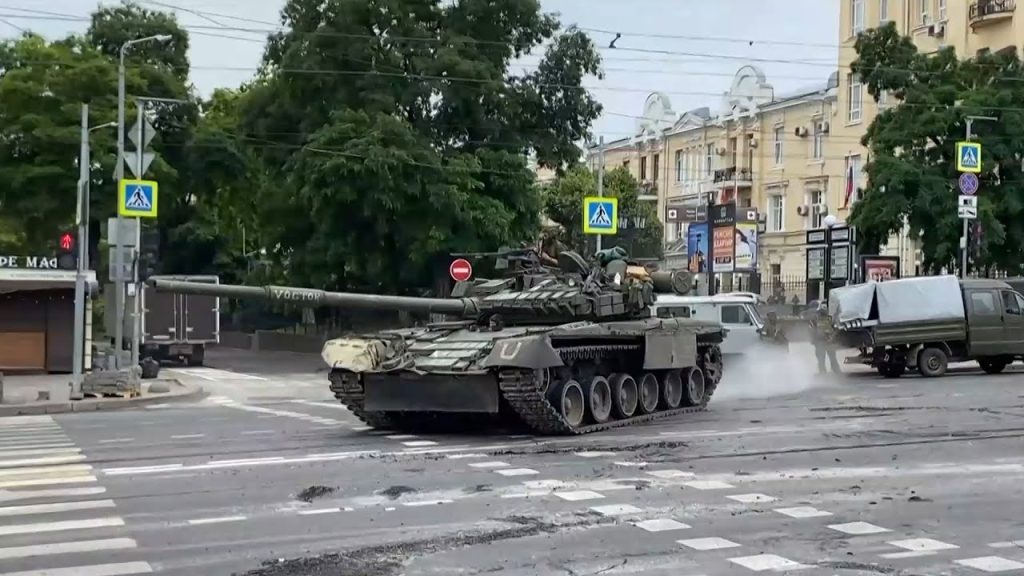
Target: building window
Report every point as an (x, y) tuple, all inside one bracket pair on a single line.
[(923, 6), (625, 164), (655, 175), (818, 143), (643, 168), (817, 201), (856, 17), (883, 12), (856, 96), (679, 165), (777, 144), (851, 180), (884, 99), (942, 10), (776, 211), (709, 159)]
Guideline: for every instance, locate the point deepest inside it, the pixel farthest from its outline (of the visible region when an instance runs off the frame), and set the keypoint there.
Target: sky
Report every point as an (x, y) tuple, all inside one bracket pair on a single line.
[(687, 49)]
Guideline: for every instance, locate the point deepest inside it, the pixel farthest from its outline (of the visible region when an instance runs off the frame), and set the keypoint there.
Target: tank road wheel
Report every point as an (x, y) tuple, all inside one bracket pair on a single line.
[(712, 365), (625, 395), (570, 402), (672, 389), (693, 391), (599, 399), (648, 393)]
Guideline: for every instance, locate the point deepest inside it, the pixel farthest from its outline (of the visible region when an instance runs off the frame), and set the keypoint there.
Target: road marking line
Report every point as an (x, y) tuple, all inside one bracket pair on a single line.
[(186, 436), (922, 544), (361, 428), (142, 469), (42, 461), (590, 454), (46, 481), (761, 562), (247, 461), (8, 495), (201, 521), (1011, 544), (517, 471), (670, 474), (712, 543), (66, 548), (858, 528), (492, 464), (464, 456), (751, 498), (427, 502), (708, 485), (802, 512), (42, 527), (577, 495), (254, 432), (39, 471), (122, 569), (661, 525), (401, 436), (909, 554), (116, 440), (319, 511), (419, 443), (616, 509), (27, 444), (38, 451), (631, 464), (55, 507), (991, 563)]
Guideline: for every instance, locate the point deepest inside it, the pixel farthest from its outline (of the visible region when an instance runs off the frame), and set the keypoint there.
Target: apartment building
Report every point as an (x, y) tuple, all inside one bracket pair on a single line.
[(757, 149)]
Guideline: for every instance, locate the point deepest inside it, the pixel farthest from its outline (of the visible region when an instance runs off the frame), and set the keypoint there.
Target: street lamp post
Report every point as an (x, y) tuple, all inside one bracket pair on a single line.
[(828, 222), (119, 175), (964, 243), (82, 221)]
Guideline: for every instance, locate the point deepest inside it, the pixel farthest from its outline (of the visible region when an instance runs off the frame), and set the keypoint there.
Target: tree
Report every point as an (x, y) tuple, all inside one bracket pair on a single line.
[(393, 132), (912, 169), (563, 202)]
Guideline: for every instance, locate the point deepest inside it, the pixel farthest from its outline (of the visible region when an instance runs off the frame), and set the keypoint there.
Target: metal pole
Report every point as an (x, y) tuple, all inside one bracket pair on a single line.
[(119, 287), (78, 354), (600, 178), (964, 239), (136, 301)]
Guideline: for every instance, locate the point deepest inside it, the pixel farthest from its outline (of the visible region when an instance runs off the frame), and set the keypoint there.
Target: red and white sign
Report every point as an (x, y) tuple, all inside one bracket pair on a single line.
[(460, 270)]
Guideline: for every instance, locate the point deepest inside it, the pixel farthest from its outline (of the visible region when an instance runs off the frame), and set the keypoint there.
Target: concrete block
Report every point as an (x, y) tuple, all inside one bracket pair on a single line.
[(127, 380), (43, 396), (159, 387)]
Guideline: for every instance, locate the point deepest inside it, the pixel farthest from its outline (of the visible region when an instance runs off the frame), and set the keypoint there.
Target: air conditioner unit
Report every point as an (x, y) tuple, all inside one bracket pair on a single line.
[(823, 127), (753, 142), (800, 131), (721, 151), (937, 30), (820, 209), (801, 210)]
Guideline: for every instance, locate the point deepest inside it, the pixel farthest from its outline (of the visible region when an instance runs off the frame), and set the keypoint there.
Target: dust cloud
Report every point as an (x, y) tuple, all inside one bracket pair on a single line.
[(768, 371)]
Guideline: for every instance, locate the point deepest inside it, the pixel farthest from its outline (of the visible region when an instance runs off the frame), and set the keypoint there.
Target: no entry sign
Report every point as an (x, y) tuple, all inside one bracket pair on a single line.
[(460, 270)]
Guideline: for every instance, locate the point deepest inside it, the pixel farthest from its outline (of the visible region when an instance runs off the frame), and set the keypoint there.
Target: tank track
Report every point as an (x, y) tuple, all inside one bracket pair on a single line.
[(525, 395), (349, 391)]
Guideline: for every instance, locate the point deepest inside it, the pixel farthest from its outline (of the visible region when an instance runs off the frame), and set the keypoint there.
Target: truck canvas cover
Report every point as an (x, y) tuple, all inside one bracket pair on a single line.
[(922, 299)]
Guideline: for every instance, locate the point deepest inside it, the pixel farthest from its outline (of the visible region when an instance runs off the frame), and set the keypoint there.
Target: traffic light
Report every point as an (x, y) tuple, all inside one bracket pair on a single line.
[(149, 252), (67, 251)]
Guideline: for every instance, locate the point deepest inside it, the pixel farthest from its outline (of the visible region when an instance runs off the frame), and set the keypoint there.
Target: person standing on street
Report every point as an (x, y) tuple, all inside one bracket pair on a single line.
[(824, 346)]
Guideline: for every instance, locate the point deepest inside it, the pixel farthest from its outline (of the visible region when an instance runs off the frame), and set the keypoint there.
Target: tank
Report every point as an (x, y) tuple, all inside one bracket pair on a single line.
[(566, 348)]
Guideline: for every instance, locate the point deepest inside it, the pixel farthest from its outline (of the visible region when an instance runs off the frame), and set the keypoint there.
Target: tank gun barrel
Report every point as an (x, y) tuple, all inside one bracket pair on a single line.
[(463, 307)]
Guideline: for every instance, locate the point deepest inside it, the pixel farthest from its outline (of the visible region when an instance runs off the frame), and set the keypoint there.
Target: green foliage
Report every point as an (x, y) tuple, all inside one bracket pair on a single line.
[(563, 202), (418, 148), (912, 168)]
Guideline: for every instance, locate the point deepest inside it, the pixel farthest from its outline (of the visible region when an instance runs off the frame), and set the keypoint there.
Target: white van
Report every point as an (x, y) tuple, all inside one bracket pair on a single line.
[(737, 313)]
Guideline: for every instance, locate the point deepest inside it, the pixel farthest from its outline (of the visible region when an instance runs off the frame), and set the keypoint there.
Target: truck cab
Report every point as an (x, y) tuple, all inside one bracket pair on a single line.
[(995, 319), (737, 314)]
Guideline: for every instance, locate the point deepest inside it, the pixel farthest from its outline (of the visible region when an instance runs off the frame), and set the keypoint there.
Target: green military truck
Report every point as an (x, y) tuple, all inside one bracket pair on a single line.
[(925, 323)]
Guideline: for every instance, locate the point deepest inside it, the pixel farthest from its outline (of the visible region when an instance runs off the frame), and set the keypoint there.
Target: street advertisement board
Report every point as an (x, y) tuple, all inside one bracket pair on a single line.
[(724, 249), (697, 247), (746, 247), (875, 268)]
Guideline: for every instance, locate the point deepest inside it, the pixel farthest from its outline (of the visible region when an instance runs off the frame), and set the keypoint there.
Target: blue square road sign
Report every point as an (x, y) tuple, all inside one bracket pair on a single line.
[(968, 157), (600, 215), (137, 198)]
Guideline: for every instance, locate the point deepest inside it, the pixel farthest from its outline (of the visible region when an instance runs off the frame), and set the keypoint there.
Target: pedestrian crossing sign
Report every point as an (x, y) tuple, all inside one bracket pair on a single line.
[(968, 157), (137, 199), (600, 215)]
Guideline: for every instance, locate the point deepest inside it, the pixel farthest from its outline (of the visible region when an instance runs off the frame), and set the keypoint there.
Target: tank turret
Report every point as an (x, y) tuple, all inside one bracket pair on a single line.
[(564, 345)]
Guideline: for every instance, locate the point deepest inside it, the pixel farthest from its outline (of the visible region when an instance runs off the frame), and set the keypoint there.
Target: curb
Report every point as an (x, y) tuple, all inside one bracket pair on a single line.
[(188, 392)]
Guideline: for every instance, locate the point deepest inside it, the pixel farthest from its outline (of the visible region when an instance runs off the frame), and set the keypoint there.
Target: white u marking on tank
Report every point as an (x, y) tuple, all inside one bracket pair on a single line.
[(505, 354)]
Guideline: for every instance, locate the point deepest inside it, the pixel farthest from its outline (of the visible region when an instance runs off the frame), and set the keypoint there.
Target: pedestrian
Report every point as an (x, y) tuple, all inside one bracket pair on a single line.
[(824, 344), (773, 332)]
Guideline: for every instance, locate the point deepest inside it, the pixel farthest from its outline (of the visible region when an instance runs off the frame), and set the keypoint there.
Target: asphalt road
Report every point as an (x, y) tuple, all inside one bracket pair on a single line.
[(268, 476)]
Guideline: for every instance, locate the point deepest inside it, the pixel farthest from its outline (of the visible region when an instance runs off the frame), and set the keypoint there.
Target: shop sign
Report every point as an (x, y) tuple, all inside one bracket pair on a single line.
[(29, 262)]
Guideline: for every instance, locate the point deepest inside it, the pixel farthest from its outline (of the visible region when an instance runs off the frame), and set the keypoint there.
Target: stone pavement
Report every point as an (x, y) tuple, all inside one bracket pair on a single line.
[(50, 393)]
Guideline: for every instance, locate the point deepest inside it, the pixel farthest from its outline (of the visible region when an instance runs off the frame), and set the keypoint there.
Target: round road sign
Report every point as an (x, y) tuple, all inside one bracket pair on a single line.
[(968, 183), (460, 270)]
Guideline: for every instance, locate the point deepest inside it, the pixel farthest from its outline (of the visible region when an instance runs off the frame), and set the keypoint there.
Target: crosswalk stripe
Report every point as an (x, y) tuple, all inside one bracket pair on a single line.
[(45, 471), (47, 481), (33, 444), (11, 495), (66, 548), (37, 436), (60, 526), (66, 459), (122, 569), (55, 507), (38, 452)]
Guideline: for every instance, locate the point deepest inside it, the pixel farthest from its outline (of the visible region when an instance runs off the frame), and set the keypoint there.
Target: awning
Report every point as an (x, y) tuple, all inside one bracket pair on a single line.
[(18, 279)]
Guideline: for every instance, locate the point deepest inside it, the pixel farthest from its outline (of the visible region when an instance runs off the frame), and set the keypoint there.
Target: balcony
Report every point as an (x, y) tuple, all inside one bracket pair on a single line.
[(984, 12), (731, 175)]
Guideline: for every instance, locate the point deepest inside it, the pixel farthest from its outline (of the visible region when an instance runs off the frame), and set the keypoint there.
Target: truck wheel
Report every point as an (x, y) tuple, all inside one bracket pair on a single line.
[(993, 365), (932, 362)]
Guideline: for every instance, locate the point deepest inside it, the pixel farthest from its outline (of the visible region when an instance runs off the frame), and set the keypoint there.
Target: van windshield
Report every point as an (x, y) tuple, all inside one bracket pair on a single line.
[(752, 310)]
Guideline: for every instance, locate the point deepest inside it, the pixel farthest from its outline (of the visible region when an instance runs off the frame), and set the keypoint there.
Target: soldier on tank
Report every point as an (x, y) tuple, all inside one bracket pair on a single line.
[(822, 338)]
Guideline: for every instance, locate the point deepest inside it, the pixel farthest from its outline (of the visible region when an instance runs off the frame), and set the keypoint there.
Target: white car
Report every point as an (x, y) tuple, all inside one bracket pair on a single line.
[(738, 313)]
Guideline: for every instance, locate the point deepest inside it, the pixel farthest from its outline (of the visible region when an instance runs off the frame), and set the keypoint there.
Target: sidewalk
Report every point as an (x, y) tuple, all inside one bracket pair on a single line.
[(21, 395)]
